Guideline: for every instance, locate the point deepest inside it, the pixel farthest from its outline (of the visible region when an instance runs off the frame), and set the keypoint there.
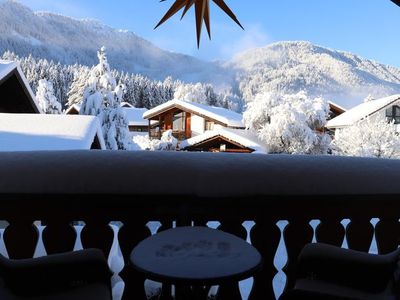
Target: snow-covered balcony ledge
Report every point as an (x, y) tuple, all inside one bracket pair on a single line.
[(343, 194)]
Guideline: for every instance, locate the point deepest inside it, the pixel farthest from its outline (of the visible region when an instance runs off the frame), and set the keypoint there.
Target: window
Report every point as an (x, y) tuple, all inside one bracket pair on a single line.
[(178, 121), (393, 114), (209, 125)]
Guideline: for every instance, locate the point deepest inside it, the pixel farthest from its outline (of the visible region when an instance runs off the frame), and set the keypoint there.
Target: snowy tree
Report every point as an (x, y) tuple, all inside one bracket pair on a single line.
[(92, 103), (168, 142), (71, 81), (78, 86), (102, 97), (231, 101), (191, 93), (46, 99), (371, 137), (289, 123)]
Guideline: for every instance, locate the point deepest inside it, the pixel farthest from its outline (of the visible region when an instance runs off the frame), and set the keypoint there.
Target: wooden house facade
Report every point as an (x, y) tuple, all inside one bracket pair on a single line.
[(187, 119)]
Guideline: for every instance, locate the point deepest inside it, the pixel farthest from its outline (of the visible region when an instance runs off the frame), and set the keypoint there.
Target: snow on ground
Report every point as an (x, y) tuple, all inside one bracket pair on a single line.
[(27, 132), (141, 141)]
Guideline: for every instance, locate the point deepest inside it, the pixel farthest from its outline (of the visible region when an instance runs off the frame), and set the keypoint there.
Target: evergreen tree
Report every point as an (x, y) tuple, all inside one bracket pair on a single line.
[(102, 97), (78, 86), (46, 99)]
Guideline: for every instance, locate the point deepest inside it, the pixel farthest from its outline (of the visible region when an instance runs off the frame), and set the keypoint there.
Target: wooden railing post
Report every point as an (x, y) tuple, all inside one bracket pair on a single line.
[(265, 236)]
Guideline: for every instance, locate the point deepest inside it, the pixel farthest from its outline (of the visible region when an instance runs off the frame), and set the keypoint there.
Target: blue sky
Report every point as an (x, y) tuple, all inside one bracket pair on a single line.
[(369, 28)]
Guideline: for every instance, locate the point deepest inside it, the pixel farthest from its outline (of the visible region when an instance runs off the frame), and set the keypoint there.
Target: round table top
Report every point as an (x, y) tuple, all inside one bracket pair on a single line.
[(195, 255)]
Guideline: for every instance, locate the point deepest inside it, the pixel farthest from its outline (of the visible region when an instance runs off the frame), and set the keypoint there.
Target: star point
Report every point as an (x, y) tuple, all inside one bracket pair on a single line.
[(202, 13)]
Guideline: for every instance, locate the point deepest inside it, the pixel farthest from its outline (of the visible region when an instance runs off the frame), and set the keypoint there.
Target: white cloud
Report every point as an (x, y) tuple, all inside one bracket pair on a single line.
[(254, 36)]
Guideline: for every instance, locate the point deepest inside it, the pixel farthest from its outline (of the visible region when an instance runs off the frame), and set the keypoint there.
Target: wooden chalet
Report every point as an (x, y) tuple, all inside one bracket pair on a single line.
[(126, 105), (136, 122), (73, 109), (16, 96), (188, 119), (224, 140), (388, 107), (335, 110)]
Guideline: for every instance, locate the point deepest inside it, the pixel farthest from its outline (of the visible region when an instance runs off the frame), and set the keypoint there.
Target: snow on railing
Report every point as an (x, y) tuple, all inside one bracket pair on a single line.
[(112, 201)]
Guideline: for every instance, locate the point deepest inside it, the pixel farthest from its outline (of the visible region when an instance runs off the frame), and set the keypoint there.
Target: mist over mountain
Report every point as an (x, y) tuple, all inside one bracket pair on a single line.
[(339, 76), (293, 66)]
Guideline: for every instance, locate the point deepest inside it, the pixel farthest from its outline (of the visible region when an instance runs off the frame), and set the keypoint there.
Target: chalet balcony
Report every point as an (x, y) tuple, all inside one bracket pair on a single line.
[(180, 135), (278, 203)]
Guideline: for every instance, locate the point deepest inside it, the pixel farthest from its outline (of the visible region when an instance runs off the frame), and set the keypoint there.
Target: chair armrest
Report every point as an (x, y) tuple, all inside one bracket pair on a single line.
[(347, 267), (56, 272)]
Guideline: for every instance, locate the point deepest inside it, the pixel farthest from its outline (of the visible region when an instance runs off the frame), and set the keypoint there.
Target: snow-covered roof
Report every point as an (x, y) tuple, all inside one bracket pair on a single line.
[(223, 115), (361, 111), (126, 104), (337, 106), (75, 106), (6, 67), (240, 136), (135, 116), (30, 132)]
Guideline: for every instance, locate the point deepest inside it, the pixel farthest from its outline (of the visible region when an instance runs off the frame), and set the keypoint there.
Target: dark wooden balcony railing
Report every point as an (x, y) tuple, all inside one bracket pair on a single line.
[(178, 134), (97, 188)]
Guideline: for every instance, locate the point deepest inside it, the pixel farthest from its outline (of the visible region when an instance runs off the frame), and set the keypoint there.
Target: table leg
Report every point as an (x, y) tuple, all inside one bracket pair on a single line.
[(191, 292), (229, 291), (182, 292)]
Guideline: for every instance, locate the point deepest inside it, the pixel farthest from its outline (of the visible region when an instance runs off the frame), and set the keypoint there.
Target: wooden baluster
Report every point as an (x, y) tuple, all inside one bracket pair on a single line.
[(97, 233), (132, 233), (387, 235), (359, 234), (330, 231), (58, 236), (265, 237), (230, 290), (21, 237), (296, 235)]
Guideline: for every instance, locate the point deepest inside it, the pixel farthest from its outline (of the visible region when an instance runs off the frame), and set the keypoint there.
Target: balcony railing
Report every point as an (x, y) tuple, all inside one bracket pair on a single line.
[(131, 189), (156, 134)]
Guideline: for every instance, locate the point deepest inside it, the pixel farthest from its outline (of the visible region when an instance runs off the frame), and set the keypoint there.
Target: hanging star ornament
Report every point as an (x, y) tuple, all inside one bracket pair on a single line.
[(202, 9), (396, 2)]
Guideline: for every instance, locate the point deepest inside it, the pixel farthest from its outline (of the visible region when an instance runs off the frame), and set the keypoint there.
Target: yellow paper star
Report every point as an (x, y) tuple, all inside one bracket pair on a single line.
[(202, 9)]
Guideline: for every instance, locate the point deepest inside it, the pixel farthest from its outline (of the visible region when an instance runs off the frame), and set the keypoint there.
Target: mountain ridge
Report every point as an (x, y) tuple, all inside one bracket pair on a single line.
[(52, 36), (294, 65), (288, 66)]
